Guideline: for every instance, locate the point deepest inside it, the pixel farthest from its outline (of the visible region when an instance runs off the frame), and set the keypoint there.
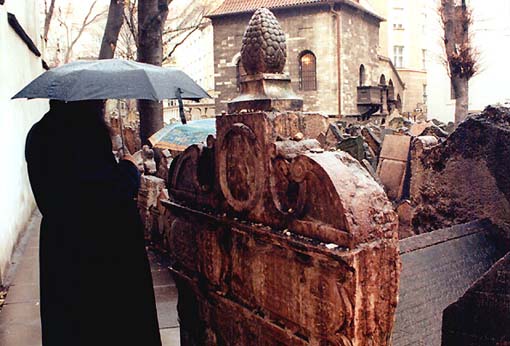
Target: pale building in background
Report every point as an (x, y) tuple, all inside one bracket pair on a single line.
[(403, 38), (491, 37), (18, 66), (194, 53)]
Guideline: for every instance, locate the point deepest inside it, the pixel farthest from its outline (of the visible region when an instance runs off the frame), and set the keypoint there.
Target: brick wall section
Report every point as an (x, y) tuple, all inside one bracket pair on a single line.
[(437, 268), (311, 29), (360, 41), (482, 315)]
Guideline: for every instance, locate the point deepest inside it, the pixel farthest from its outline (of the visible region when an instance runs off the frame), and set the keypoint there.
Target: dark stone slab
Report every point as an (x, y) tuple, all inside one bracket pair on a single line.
[(437, 268), (482, 315)]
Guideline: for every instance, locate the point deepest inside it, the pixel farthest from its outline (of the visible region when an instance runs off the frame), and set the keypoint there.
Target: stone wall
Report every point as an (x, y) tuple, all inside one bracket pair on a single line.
[(387, 69), (18, 66), (311, 29), (360, 42)]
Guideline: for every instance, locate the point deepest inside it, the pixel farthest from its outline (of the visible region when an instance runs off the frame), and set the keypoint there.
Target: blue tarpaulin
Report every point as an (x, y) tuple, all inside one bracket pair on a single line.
[(179, 136)]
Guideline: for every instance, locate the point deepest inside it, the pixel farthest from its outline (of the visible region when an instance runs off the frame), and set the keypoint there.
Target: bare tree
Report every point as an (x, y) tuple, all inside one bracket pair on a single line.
[(176, 37), (131, 19), (112, 29), (71, 38), (48, 15), (148, 35), (126, 45), (176, 31), (152, 15), (461, 57)]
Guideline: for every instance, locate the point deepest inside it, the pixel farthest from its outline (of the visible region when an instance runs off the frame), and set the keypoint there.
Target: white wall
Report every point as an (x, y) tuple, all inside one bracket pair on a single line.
[(491, 37), (18, 66)]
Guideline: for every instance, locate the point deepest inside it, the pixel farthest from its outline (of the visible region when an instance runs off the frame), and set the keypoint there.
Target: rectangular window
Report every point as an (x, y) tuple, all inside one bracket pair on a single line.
[(398, 16), (425, 93), (424, 58), (398, 56)]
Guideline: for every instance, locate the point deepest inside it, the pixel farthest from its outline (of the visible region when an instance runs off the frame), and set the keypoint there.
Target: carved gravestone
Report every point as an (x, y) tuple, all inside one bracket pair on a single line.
[(274, 241)]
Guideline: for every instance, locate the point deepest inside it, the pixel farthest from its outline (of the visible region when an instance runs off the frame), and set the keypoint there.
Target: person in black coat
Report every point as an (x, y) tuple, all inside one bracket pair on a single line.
[(95, 280)]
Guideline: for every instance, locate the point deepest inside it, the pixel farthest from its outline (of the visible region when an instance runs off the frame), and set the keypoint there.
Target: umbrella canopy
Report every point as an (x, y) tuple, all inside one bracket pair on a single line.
[(178, 136), (112, 79)]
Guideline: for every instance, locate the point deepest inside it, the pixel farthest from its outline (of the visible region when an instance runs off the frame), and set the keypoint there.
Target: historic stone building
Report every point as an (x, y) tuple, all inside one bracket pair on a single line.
[(332, 51)]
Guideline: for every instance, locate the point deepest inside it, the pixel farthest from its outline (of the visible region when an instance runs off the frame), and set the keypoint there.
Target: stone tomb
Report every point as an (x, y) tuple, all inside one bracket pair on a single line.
[(282, 248)]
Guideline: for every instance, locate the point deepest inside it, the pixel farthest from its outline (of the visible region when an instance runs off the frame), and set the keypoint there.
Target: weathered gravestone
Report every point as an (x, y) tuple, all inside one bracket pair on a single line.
[(272, 240), (437, 268)]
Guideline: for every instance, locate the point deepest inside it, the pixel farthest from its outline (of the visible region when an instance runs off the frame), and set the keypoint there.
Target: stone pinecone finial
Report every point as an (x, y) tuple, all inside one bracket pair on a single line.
[(264, 47)]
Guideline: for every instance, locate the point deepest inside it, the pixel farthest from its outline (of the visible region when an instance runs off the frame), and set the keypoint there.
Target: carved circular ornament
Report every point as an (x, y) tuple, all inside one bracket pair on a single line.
[(264, 48), (241, 171)]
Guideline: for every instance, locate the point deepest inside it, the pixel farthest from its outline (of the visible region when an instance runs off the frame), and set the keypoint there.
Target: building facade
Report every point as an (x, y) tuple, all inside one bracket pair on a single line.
[(20, 62), (403, 37), (333, 50)]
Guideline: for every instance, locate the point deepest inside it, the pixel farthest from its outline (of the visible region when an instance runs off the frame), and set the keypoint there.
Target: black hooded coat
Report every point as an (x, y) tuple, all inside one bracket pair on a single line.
[(95, 280)]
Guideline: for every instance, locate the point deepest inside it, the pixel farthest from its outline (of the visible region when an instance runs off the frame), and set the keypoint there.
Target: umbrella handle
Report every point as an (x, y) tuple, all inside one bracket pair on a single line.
[(120, 124), (178, 93)]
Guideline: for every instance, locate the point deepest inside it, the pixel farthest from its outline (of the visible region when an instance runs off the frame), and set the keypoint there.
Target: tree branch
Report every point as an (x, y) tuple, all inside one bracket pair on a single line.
[(180, 43), (86, 22), (130, 21)]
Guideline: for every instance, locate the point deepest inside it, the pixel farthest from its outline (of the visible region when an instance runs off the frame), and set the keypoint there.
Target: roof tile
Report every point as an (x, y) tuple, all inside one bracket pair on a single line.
[(237, 6), (241, 6)]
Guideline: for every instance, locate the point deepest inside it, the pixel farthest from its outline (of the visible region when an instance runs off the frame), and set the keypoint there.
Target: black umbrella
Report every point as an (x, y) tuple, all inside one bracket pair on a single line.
[(112, 79)]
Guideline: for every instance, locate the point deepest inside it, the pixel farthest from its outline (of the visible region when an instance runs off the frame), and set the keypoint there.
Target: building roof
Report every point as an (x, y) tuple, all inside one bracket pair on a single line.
[(229, 7)]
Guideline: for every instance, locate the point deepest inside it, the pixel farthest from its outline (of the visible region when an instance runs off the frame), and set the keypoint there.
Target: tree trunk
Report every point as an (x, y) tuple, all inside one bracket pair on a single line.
[(112, 29), (152, 15), (461, 89), (47, 19), (456, 35)]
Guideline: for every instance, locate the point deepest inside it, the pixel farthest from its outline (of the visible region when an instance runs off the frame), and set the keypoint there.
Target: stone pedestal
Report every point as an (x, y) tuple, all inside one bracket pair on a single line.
[(266, 91)]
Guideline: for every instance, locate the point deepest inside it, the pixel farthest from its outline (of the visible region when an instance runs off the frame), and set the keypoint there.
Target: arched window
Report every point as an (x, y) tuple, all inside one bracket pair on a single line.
[(391, 91), (362, 75), (307, 71), (382, 80)]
